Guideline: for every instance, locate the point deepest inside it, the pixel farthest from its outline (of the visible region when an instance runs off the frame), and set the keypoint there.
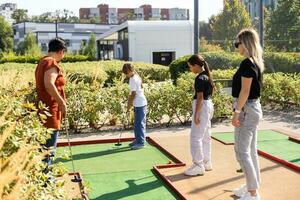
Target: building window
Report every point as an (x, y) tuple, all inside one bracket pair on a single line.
[(123, 34), (15, 32)]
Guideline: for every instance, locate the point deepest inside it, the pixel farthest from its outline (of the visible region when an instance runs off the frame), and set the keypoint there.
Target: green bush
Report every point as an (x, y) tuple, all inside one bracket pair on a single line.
[(275, 62), (282, 89), (95, 106), (12, 58), (282, 62), (104, 72), (216, 60), (21, 136)]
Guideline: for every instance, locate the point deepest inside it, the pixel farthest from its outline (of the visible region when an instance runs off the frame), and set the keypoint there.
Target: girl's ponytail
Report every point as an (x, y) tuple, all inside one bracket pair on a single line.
[(208, 72)]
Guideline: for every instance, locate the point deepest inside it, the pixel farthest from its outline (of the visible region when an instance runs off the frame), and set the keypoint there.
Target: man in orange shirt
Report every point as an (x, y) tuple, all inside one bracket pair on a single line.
[(50, 90)]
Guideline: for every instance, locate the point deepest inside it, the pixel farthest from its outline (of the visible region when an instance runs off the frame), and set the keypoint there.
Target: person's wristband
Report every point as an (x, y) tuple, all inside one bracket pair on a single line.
[(237, 111)]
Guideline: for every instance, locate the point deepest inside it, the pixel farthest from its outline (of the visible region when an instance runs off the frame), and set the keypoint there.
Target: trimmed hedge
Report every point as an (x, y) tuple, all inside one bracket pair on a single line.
[(95, 106), (275, 62), (104, 72), (282, 62), (35, 59)]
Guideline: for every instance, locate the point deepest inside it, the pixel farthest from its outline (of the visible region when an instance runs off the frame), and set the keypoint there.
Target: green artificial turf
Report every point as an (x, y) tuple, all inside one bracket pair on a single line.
[(271, 142), (263, 135), (284, 149), (116, 172)]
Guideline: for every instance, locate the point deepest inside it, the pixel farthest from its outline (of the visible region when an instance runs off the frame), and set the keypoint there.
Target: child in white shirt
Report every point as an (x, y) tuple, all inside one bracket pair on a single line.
[(137, 100)]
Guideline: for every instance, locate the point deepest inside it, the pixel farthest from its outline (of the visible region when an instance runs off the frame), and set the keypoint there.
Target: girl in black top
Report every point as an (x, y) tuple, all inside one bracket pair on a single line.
[(246, 89), (202, 115)]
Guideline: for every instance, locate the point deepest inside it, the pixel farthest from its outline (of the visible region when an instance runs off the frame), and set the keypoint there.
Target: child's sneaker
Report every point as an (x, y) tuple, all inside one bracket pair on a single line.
[(137, 146), (247, 196), (132, 143), (194, 170), (239, 192)]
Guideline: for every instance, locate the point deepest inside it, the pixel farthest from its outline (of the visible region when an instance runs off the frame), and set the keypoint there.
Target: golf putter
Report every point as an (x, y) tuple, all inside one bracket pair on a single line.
[(76, 178), (120, 136), (123, 129)]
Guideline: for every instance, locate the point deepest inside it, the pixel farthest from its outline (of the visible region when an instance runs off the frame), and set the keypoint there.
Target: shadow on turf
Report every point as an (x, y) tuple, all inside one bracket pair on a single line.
[(134, 189), (295, 160), (96, 154)]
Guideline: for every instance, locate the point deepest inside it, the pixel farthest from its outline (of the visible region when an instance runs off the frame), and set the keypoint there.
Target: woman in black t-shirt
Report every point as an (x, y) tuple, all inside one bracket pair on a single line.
[(246, 89), (201, 119)]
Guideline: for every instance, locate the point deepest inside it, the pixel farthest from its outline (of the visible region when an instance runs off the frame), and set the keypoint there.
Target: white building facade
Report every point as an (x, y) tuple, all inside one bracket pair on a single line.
[(158, 42)]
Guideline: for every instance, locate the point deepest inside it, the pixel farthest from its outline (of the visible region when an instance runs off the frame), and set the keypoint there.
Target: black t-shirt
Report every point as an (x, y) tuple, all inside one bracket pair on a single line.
[(249, 70), (203, 84)]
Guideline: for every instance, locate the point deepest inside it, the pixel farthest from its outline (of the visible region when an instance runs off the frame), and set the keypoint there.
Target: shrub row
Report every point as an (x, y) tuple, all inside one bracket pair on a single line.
[(95, 106), (103, 72), (11, 58), (275, 62), (280, 88)]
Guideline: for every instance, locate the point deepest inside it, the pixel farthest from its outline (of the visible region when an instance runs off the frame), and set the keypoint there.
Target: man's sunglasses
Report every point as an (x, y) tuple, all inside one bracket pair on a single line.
[(237, 44)]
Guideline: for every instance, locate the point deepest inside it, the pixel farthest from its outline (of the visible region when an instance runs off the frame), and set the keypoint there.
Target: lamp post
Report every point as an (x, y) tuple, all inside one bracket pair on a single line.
[(56, 27), (261, 22), (196, 26)]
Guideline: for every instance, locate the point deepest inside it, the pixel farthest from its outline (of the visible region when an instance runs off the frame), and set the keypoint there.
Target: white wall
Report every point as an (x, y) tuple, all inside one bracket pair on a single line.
[(143, 41)]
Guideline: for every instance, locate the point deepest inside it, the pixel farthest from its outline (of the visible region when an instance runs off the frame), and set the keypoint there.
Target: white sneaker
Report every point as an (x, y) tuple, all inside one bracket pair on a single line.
[(208, 166), (248, 196), (194, 170), (241, 191)]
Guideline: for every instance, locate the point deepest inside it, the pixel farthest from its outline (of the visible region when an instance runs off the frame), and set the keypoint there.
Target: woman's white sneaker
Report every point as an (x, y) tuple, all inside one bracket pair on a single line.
[(248, 196), (194, 170), (239, 192)]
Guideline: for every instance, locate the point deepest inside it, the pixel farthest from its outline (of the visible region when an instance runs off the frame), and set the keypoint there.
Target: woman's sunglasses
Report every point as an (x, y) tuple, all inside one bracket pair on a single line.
[(237, 44)]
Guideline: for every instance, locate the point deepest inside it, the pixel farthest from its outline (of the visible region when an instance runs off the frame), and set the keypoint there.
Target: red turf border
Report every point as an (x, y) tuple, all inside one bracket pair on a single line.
[(281, 161), (156, 168), (225, 143), (271, 157), (85, 142), (169, 183)]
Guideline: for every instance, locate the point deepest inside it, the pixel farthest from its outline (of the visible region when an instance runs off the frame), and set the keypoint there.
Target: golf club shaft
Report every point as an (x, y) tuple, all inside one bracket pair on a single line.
[(69, 144)]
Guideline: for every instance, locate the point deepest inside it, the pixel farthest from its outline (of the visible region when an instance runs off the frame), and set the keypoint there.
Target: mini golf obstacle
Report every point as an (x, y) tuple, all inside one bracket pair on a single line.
[(74, 190), (273, 145), (131, 175)]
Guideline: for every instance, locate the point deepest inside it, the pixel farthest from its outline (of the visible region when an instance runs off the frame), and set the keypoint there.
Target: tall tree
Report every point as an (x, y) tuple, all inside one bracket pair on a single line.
[(226, 25), (284, 27), (29, 46), (66, 16), (205, 31), (6, 36), (20, 15), (89, 48)]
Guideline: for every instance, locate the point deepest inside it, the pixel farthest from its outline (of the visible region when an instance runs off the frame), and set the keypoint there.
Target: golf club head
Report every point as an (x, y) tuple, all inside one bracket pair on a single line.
[(76, 179), (118, 144)]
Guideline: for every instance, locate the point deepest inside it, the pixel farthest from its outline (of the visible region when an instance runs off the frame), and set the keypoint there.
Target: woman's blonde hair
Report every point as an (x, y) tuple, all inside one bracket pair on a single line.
[(250, 39)]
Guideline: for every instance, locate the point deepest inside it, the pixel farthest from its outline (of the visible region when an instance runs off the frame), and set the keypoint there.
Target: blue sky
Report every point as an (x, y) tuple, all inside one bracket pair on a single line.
[(36, 7)]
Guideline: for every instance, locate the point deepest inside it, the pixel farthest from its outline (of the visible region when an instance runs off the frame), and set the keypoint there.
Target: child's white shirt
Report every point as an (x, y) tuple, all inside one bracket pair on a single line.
[(135, 85)]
